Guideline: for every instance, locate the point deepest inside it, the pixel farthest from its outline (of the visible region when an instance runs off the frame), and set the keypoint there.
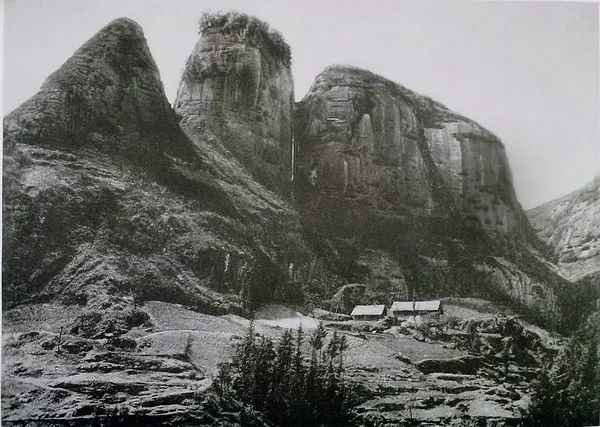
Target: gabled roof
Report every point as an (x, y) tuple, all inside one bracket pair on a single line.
[(416, 306), (368, 310)]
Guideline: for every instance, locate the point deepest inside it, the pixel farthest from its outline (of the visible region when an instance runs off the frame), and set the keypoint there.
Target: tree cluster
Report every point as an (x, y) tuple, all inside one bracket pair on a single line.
[(276, 379), (568, 392)]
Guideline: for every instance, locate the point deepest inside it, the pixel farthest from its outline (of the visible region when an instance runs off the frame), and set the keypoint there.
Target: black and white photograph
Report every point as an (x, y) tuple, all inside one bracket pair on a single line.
[(300, 213)]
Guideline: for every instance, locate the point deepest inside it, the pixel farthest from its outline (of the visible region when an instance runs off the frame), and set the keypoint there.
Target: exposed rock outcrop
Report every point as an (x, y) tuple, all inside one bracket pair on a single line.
[(571, 227), (104, 195), (104, 190), (237, 86), (112, 199), (361, 134), (107, 97), (410, 197)]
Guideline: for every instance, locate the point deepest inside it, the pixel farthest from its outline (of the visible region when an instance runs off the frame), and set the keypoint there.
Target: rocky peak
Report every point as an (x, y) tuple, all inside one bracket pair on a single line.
[(237, 93), (108, 96), (410, 197), (360, 133)]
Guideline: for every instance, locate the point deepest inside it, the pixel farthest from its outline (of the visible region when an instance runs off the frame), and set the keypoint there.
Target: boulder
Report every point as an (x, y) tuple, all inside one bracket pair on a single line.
[(467, 365)]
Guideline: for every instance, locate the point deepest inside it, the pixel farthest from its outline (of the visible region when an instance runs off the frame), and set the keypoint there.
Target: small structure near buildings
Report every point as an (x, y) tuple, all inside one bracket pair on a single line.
[(404, 309), (369, 312)]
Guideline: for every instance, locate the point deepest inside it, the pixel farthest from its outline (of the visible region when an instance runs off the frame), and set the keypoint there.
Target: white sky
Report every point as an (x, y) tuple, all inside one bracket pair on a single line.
[(527, 71)]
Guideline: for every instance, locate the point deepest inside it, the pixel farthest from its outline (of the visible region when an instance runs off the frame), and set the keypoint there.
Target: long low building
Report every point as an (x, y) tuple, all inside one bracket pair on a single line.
[(369, 312), (413, 308)]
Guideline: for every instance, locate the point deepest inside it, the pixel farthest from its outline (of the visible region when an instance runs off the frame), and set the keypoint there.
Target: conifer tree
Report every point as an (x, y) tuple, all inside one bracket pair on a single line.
[(275, 379), (568, 393)]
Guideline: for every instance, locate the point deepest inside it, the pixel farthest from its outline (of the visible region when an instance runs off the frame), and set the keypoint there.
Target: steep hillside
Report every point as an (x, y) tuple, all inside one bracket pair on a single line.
[(106, 197), (412, 198), (107, 97), (362, 134), (571, 227)]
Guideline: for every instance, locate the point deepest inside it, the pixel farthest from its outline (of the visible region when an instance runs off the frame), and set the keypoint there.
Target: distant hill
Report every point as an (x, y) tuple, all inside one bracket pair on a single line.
[(570, 225)]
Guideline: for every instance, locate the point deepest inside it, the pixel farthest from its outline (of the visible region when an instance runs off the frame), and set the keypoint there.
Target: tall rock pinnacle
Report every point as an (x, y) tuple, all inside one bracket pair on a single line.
[(237, 87), (108, 96)]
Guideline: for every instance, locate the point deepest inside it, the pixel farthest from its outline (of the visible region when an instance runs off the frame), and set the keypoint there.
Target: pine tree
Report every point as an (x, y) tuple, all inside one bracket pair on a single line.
[(276, 380), (282, 381), (343, 346), (568, 393), (262, 373), (297, 377)]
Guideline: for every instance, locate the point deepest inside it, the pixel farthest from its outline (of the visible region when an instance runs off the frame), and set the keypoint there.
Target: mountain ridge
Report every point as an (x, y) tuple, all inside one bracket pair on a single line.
[(569, 224), (433, 188), (140, 238)]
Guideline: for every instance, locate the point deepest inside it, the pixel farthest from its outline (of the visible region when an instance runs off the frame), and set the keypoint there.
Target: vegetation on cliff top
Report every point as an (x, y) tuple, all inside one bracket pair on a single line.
[(247, 29)]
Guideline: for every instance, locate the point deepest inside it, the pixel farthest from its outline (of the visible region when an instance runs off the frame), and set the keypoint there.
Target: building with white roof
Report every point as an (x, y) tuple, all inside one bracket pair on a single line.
[(369, 312), (414, 308)]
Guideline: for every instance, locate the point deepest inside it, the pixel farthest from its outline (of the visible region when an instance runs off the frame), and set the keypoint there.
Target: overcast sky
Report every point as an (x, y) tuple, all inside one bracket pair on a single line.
[(527, 71)]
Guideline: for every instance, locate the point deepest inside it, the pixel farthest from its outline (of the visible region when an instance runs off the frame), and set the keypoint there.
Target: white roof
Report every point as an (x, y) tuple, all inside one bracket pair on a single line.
[(368, 310), (416, 306)]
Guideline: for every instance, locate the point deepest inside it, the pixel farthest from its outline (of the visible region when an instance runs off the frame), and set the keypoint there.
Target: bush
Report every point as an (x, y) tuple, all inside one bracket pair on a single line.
[(275, 379), (247, 29), (568, 392)]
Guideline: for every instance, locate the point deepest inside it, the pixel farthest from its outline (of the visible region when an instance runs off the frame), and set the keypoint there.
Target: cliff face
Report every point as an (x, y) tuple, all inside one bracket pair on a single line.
[(116, 210), (571, 227), (106, 197), (361, 134), (108, 191), (238, 88), (410, 197)]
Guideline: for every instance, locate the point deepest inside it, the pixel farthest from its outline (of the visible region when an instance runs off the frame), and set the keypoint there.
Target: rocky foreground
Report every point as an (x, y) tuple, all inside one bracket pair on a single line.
[(161, 370)]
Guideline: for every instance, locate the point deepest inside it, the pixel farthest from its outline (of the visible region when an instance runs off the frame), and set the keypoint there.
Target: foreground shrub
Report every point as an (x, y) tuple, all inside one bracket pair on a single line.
[(275, 378), (568, 392)]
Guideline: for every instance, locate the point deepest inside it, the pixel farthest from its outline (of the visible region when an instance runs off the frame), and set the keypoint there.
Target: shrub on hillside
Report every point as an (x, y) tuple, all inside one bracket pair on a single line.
[(568, 392), (247, 29), (275, 379)]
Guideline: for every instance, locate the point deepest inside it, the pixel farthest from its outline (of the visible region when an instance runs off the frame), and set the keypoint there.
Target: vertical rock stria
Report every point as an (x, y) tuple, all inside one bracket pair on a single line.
[(238, 87), (364, 135), (409, 196)]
